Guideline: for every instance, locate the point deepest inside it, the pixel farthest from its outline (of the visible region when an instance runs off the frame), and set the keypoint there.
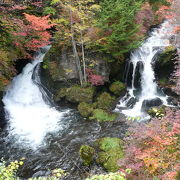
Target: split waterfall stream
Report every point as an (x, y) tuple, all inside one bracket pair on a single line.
[(142, 89)]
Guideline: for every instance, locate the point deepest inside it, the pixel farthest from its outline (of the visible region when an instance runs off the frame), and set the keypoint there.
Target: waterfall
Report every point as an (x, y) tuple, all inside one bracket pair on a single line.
[(28, 106), (142, 90)]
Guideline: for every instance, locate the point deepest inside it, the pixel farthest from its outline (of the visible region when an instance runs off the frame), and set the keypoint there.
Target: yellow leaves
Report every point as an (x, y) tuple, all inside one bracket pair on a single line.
[(152, 164), (68, 71), (61, 21), (4, 56), (59, 173), (91, 65), (8, 172), (80, 27), (53, 2), (95, 7)]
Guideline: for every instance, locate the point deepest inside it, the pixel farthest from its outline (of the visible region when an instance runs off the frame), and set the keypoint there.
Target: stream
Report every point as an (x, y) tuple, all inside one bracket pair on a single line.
[(48, 136)]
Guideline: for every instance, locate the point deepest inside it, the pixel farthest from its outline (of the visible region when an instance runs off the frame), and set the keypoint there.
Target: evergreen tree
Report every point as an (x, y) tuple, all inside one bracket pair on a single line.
[(117, 21)]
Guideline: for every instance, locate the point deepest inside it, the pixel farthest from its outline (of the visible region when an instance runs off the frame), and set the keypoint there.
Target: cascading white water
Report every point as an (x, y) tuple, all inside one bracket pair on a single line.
[(156, 43), (27, 106)]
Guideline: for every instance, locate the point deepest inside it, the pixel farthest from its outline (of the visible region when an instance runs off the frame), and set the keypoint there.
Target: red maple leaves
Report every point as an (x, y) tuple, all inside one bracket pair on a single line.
[(33, 33), (93, 78)]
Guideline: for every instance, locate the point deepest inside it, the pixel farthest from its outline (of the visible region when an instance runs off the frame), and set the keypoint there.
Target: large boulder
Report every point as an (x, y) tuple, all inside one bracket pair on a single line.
[(151, 103)]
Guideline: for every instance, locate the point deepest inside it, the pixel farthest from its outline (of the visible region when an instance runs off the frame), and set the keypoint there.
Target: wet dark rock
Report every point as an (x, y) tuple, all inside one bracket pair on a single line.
[(132, 101), (151, 103), (172, 101), (20, 64), (128, 78), (138, 70), (41, 174), (2, 115), (164, 63), (168, 91)]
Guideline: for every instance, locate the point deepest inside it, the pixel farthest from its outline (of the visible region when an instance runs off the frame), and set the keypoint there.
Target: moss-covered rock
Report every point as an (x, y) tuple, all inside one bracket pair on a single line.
[(86, 153), (117, 88), (61, 94), (85, 109), (110, 151), (76, 94), (163, 81), (104, 101), (103, 116), (157, 112), (167, 56)]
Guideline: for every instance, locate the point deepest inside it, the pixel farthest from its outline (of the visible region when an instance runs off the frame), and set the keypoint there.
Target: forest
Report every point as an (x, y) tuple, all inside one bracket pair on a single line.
[(89, 89)]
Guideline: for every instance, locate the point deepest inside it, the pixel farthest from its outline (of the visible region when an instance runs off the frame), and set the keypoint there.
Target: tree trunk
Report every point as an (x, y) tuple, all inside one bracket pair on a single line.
[(83, 59), (77, 60)]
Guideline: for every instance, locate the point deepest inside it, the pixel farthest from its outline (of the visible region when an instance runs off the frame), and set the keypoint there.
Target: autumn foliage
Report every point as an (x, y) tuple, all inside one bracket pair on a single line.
[(153, 149), (34, 34), (93, 78)]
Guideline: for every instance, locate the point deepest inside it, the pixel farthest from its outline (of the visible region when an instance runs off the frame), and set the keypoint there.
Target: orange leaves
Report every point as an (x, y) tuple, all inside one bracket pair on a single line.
[(170, 175), (33, 35), (177, 29), (38, 23), (166, 12)]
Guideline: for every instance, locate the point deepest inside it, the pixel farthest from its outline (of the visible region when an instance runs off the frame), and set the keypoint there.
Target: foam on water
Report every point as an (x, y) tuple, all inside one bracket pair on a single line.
[(156, 43), (30, 116)]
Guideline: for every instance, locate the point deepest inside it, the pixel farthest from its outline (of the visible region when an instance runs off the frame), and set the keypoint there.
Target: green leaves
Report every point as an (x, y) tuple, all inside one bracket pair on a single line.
[(116, 19), (53, 2), (49, 10)]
